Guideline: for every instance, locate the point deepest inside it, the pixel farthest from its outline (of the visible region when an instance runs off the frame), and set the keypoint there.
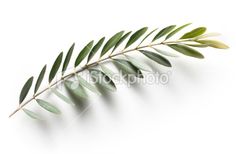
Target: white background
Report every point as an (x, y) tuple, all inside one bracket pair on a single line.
[(194, 113)]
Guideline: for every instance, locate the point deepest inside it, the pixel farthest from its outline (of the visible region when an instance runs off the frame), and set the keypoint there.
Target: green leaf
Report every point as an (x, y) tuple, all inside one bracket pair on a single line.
[(186, 50), (62, 97), (102, 79), (133, 38), (207, 35), (214, 44), (121, 41), (165, 53), (194, 33), (150, 33), (47, 106), (128, 68), (76, 89), (176, 31), (86, 84), (163, 32), (138, 63), (196, 45), (40, 79), (25, 89), (95, 49), (107, 71), (55, 67), (68, 57), (111, 42), (83, 53), (32, 114), (156, 57)]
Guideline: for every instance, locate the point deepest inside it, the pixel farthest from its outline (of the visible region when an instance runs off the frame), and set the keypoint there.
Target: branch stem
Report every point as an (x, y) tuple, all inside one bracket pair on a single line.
[(92, 65)]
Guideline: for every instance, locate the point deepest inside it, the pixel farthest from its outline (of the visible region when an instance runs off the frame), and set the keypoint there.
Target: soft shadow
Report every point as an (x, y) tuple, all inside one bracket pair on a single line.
[(80, 103), (106, 95)]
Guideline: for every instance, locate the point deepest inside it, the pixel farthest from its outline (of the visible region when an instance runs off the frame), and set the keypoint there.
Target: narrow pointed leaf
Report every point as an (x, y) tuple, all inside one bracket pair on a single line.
[(163, 32), (150, 33), (55, 67), (48, 106), (83, 53), (40, 79), (138, 63), (95, 49), (214, 44), (111, 42), (88, 85), (186, 50), (128, 68), (102, 79), (196, 45), (25, 89), (32, 115), (156, 57), (194, 33), (76, 89), (62, 97), (165, 53), (133, 38), (207, 35), (122, 39), (107, 71), (67, 59), (176, 31)]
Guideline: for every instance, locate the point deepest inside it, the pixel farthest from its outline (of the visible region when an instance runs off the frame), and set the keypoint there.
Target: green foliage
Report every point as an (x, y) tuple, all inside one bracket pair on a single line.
[(186, 50), (55, 67), (176, 31), (40, 79), (83, 53), (194, 33), (129, 65), (156, 57), (25, 89), (31, 114), (48, 106), (213, 43), (95, 49), (163, 32), (128, 68), (103, 80), (67, 59), (111, 42), (133, 38), (122, 39)]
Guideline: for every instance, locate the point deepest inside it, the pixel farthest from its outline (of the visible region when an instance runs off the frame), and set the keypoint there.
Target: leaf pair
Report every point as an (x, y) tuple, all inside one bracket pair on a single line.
[(58, 61), (163, 32), (111, 42), (28, 84), (116, 40)]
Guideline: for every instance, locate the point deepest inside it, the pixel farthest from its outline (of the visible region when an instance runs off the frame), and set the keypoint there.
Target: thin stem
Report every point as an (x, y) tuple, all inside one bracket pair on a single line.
[(92, 65)]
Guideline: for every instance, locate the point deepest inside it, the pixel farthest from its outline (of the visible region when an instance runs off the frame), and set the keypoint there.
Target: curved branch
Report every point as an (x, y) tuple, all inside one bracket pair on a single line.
[(92, 65)]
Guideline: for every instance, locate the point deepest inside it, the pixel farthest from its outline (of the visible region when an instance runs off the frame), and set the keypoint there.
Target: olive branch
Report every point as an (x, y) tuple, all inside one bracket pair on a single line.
[(186, 44)]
